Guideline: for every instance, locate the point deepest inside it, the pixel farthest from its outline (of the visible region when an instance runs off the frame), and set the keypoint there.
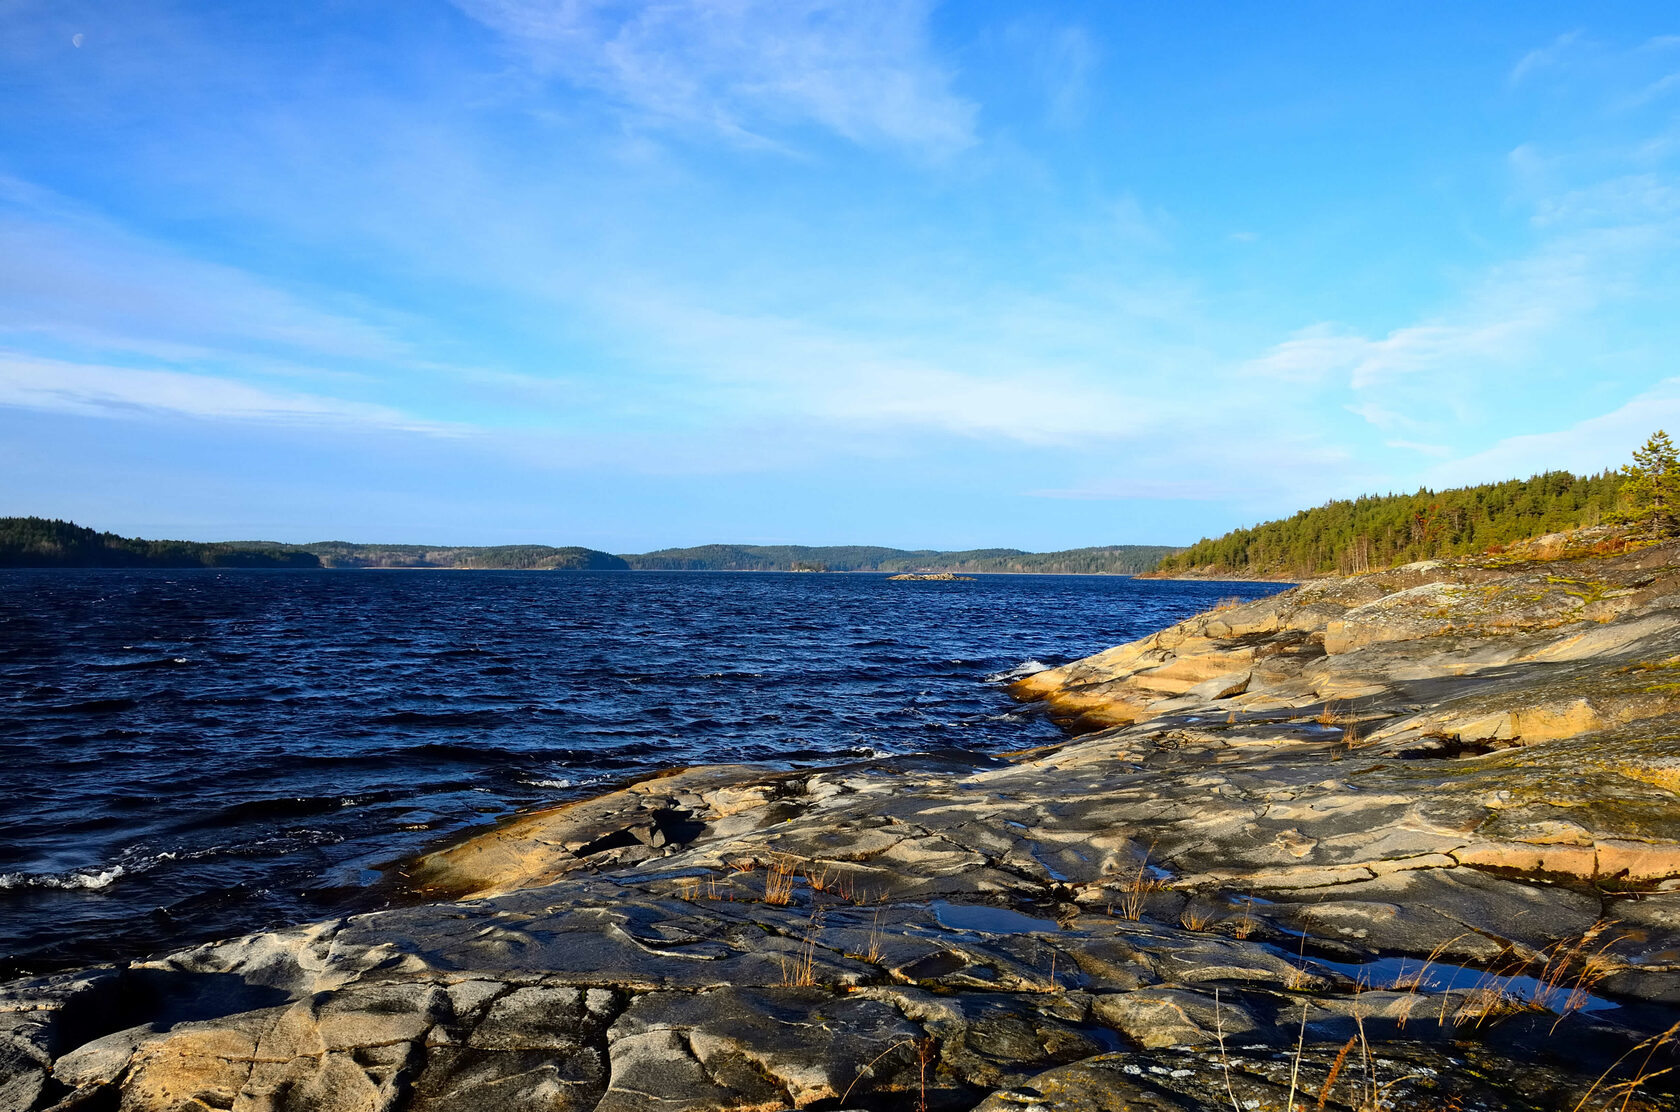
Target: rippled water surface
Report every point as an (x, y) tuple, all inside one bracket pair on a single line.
[(195, 754)]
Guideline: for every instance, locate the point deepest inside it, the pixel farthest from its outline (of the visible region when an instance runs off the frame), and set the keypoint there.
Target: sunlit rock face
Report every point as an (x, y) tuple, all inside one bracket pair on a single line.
[(1411, 836)]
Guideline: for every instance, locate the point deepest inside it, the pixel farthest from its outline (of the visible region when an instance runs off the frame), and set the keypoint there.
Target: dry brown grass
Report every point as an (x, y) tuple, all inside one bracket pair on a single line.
[(692, 888), (1335, 1072), (1413, 981), (1195, 919), (1244, 926), (874, 954), (1138, 887), (1626, 1089), (778, 883), (800, 970), (1334, 713), (1224, 1059), (1565, 974), (868, 1068)]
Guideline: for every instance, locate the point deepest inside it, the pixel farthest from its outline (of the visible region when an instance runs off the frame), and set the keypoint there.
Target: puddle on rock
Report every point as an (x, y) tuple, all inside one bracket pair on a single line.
[(988, 920), (1440, 976)]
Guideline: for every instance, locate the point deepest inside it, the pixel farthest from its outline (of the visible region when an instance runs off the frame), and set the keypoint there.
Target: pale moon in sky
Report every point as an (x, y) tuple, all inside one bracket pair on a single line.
[(76, 39)]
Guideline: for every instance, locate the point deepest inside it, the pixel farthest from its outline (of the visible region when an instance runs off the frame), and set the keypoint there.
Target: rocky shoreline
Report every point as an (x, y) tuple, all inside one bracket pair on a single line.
[(1405, 840)]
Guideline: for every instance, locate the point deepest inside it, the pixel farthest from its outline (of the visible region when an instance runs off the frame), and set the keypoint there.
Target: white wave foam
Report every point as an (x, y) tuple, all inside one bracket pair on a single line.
[(78, 878), (549, 783), (1025, 668)]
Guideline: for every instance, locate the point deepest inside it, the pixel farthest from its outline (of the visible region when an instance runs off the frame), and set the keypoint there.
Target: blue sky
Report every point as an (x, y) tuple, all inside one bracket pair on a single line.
[(945, 275)]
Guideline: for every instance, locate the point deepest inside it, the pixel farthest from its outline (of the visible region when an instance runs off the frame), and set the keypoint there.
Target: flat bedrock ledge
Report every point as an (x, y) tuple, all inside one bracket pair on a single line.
[(1474, 766)]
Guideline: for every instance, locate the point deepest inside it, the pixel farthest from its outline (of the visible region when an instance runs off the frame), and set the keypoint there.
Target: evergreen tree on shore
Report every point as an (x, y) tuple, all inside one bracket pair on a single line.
[(1651, 488)]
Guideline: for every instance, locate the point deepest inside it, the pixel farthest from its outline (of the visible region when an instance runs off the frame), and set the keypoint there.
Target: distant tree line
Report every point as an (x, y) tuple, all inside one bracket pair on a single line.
[(1125, 559), (1379, 531), (36, 542), (40, 542), (506, 557)]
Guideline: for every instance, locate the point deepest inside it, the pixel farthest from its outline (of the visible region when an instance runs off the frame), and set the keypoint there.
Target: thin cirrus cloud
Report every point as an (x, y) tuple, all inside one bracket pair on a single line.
[(77, 276), (1544, 57), (1581, 447), (750, 67), (113, 392)]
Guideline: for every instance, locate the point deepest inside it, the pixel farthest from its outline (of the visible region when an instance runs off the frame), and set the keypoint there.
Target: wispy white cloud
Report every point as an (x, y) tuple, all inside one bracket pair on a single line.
[(108, 391), (1381, 416), (1587, 446), (1544, 57), (1130, 489), (1066, 60), (1657, 89), (772, 366), (75, 276), (1602, 239), (746, 68)]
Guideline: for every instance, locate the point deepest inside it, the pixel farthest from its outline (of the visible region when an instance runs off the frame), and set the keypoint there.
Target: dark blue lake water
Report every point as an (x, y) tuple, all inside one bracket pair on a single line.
[(189, 755)]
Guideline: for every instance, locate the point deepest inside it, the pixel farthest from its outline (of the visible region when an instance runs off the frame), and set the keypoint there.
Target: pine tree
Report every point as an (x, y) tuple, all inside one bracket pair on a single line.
[(1651, 487)]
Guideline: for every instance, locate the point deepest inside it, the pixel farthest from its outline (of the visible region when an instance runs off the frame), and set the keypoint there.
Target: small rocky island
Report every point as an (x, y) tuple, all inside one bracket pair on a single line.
[(1403, 840), (933, 577)]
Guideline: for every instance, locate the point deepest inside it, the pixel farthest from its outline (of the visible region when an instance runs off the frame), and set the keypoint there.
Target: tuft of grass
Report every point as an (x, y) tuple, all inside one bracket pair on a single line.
[(778, 883), (1137, 889), (1244, 926), (873, 955), (1195, 919), (800, 971)]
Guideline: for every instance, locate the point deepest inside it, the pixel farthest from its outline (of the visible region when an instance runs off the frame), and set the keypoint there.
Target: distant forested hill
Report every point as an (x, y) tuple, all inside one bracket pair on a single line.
[(1124, 559), (36, 542), (1383, 530), (507, 557)]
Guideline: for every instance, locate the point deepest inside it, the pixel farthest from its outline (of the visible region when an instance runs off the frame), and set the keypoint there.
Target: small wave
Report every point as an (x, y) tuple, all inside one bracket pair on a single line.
[(96, 706), (143, 665), (1006, 716), (76, 878), (1025, 668), (438, 719)]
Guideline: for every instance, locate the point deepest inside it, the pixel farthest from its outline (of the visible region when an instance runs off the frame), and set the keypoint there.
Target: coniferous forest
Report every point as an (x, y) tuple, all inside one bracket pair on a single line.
[(1377, 531)]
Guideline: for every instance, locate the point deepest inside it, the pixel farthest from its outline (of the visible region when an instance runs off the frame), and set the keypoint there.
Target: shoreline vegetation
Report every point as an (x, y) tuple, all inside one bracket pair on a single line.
[(1353, 536), (1405, 840)]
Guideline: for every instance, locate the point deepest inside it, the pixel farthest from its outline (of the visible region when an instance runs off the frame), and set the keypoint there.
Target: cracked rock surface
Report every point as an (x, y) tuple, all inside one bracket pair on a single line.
[(1404, 840)]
